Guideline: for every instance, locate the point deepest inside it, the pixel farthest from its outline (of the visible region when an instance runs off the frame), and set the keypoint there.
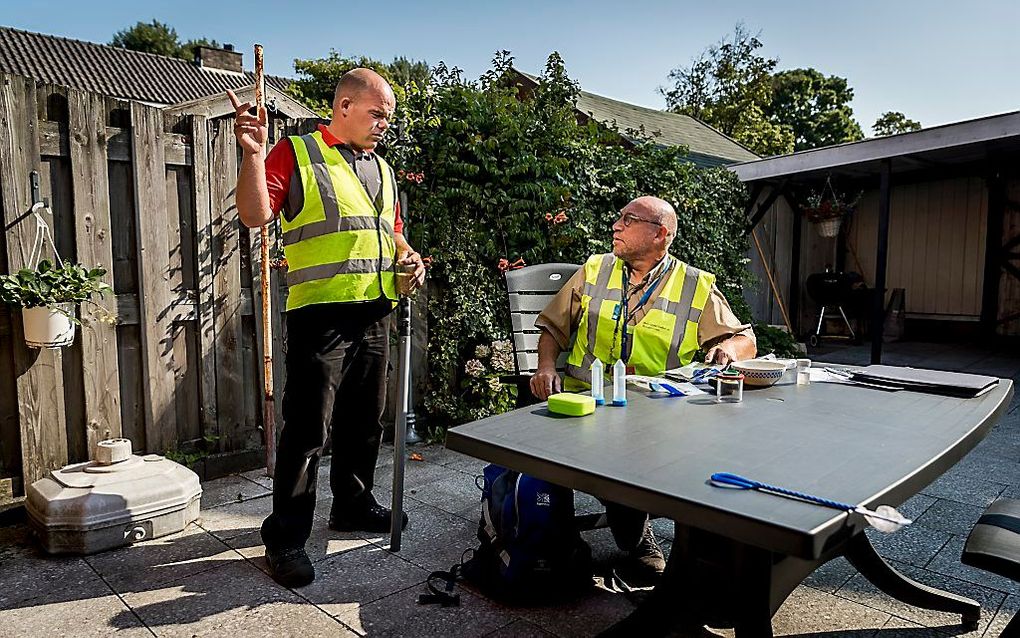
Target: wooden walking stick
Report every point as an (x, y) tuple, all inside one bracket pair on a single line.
[(268, 402)]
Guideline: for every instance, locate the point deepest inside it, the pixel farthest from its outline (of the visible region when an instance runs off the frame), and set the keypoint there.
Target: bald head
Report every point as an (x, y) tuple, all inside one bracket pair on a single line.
[(358, 81), (362, 109), (658, 210)]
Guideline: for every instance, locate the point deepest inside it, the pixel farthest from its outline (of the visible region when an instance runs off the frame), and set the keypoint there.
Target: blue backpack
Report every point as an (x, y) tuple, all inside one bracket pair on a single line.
[(530, 548)]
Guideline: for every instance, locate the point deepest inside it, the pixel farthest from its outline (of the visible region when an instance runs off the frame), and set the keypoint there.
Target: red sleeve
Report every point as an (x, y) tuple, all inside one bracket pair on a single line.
[(279, 168), (398, 223)]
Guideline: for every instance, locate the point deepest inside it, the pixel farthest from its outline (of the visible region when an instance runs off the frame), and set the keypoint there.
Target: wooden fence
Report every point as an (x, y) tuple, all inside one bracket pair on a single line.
[(147, 193)]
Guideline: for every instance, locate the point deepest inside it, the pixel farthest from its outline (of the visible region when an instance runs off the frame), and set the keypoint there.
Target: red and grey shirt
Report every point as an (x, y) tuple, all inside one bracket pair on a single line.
[(281, 175)]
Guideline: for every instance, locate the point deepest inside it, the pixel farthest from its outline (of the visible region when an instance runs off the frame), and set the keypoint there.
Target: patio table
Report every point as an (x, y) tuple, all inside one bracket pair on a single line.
[(737, 555)]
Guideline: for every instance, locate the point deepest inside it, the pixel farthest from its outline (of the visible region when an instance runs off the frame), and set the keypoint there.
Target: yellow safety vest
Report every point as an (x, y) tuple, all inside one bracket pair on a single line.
[(665, 338), (339, 248)]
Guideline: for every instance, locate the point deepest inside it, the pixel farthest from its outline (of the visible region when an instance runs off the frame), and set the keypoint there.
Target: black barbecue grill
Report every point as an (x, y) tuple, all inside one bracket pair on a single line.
[(832, 290)]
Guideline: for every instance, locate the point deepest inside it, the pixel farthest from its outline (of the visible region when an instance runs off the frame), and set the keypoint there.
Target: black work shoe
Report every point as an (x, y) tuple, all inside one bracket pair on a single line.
[(290, 567), (370, 518), (645, 563)]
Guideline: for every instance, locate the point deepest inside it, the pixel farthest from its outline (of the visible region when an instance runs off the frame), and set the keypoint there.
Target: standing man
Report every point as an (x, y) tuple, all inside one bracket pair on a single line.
[(342, 237), (644, 306)]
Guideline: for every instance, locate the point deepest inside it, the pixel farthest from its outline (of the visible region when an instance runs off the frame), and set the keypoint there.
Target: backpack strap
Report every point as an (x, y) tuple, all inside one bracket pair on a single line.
[(445, 596)]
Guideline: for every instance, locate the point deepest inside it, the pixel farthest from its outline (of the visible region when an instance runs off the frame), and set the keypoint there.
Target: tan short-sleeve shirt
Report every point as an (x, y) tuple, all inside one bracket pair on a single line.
[(563, 314)]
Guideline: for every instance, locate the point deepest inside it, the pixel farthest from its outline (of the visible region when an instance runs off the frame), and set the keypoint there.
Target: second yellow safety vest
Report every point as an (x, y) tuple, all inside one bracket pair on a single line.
[(665, 338)]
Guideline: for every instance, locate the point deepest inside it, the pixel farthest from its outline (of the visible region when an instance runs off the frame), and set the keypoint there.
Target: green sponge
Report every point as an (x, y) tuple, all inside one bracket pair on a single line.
[(570, 404)]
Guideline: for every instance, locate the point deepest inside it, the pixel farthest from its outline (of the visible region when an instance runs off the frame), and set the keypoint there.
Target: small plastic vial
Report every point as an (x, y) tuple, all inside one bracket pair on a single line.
[(598, 376), (619, 383), (803, 371), (729, 387)]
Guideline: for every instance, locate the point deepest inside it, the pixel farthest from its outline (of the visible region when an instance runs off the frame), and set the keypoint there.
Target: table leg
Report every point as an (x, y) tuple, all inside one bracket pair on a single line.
[(862, 555)]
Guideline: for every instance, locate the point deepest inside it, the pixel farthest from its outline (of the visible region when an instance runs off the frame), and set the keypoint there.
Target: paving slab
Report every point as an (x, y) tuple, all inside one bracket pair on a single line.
[(322, 544), (959, 487), (832, 575), (92, 614), (1009, 608), (520, 629), (809, 611), (457, 495), (27, 573), (950, 516), (400, 615), (146, 565), (915, 506), (911, 544), (358, 577), (232, 489), (859, 590), (234, 519), (584, 616), (234, 600), (433, 539)]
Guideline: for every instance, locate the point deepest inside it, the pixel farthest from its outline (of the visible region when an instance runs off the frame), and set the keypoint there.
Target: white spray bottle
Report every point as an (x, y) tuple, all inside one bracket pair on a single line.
[(597, 382), (619, 383)]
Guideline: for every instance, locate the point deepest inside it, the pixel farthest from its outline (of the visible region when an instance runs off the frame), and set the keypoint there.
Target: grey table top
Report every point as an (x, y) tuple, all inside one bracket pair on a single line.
[(851, 444)]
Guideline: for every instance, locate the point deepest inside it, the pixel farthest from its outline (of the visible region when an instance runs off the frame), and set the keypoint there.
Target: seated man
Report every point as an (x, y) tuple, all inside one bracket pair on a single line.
[(671, 310)]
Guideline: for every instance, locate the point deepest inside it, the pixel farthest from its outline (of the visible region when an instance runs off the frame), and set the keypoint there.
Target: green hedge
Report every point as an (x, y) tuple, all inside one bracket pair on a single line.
[(492, 176)]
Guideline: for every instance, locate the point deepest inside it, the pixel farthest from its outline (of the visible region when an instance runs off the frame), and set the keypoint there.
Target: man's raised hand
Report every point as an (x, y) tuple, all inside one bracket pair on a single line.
[(251, 132)]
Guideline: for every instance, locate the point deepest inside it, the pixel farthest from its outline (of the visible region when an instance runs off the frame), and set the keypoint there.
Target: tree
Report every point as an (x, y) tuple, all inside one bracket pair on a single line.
[(154, 37), (730, 87), (317, 78), (893, 122), (815, 107), (161, 39)]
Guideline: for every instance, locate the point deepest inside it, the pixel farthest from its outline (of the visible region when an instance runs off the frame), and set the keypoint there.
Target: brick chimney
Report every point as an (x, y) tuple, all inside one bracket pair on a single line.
[(225, 59)]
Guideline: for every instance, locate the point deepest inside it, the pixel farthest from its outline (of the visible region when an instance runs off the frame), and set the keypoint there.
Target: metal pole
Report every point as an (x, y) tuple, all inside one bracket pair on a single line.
[(400, 425), (881, 261)]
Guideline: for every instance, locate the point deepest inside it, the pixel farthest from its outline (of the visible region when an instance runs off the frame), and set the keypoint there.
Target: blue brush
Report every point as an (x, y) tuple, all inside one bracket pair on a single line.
[(884, 518)]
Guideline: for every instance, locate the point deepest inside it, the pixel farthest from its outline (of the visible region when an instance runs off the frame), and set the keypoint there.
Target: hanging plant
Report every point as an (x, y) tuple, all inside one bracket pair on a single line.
[(48, 294), (828, 207)]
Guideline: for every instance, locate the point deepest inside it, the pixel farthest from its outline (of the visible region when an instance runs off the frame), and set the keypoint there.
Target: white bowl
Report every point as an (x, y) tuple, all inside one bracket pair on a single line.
[(760, 372)]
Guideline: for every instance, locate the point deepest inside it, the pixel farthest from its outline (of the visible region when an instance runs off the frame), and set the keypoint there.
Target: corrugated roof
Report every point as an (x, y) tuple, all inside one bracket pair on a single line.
[(113, 71), (707, 146)]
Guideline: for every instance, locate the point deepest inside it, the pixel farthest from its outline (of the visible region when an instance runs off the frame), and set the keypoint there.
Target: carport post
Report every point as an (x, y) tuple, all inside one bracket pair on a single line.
[(881, 258)]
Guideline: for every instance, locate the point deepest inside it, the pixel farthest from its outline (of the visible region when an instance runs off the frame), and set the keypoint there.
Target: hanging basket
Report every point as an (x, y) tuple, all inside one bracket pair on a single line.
[(49, 326), (829, 227)]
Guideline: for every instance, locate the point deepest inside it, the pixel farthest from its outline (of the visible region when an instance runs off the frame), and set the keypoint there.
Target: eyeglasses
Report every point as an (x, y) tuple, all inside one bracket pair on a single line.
[(630, 218)]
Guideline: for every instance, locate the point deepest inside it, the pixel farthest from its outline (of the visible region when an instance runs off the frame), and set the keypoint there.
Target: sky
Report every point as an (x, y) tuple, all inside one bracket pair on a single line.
[(935, 61)]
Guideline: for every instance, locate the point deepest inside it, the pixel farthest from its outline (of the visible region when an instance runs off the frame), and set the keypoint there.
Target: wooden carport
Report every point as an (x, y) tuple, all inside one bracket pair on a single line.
[(985, 151)]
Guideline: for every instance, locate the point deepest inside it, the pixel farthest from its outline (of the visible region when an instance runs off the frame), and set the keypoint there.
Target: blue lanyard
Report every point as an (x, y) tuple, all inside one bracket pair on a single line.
[(622, 310)]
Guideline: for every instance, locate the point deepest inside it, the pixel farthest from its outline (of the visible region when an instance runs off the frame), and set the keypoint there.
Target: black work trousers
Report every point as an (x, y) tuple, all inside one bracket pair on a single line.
[(626, 523), (337, 357)]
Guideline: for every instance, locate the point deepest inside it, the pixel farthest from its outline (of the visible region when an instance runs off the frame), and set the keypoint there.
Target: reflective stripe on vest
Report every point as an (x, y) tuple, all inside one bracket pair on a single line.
[(339, 248), (665, 338)]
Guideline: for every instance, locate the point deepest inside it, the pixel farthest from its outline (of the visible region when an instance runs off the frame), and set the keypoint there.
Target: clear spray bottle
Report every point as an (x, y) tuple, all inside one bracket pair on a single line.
[(598, 373), (619, 383)]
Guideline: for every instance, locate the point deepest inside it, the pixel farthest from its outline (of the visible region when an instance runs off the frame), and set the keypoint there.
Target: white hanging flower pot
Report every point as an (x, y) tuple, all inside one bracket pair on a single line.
[(49, 326), (829, 227)]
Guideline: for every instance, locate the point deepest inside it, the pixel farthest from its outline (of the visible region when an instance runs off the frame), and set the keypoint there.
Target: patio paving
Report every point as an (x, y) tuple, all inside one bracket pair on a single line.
[(210, 579)]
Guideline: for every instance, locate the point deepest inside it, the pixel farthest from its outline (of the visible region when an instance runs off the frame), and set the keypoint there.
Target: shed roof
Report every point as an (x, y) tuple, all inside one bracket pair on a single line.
[(121, 73)]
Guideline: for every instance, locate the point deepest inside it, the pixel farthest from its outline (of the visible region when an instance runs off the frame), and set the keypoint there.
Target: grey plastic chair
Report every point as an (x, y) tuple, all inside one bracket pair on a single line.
[(994, 546), (529, 290)]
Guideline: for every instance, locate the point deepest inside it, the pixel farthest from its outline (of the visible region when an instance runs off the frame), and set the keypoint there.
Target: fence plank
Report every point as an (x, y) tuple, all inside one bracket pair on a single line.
[(203, 230), (226, 261), (54, 140), (93, 237), (154, 274), (38, 372)]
